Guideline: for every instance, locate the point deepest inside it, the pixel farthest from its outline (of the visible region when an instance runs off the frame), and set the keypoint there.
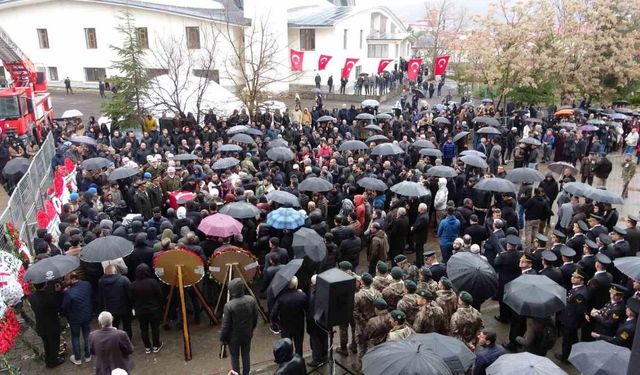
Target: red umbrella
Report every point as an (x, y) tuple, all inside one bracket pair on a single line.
[(220, 225)]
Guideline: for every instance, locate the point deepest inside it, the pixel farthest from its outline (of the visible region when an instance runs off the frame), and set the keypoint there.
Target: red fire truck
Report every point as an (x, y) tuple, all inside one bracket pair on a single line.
[(25, 106)]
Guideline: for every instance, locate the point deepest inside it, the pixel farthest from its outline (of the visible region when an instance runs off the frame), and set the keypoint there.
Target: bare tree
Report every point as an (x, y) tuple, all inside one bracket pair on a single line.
[(442, 25)]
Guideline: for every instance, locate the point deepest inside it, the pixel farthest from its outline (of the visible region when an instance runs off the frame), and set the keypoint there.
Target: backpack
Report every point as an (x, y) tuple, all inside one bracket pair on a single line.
[(549, 335)]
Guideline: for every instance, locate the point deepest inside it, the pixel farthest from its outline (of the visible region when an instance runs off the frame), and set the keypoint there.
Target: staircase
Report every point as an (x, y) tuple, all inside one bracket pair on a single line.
[(16, 63)]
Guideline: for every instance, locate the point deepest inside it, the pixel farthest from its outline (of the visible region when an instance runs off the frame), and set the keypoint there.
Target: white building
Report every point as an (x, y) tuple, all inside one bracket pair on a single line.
[(73, 38)]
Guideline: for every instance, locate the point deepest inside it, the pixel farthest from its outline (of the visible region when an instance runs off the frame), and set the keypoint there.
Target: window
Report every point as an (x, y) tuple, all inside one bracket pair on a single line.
[(43, 38), (383, 24), (94, 74), (90, 36), (361, 37), (154, 72), (211, 74), (344, 39), (2, 72), (9, 107), (378, 50), (143, 37), (193, 37), (53, 73), (397, 50), (307, 39)]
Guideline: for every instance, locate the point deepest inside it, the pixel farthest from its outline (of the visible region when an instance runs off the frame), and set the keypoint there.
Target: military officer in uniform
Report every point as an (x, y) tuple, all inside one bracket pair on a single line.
[(430, 317), (588, 261), (378, 327), (518, 323), (426, 281), (400, 330), (408, 303), (577, 240), (395, 290), (625, 332), (557, 241), (600, 283), (633, 233), (605, 321), (438, 270), (466, 321), (620, 245), (568, 266), (447, 299), (548, 270), (539, 245), (382, 279), (596, 227), (507, 267), (364, 310), (572, 317), (605, 245), (410, 270)]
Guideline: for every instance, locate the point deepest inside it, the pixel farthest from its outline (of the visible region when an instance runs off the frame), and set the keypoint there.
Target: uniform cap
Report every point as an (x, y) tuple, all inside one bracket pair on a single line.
[(559, 234), (367, 278), (583, 226), (446, 283), (147, 175), (549, 256), (382, 267), (542, 238), (579, 273), (603, 259), (380, 304), (590, 244), (396, 273), (398, 315), (617, 289), (399, 258), (633, 218), (526, 257), (605, 239), (513, 240), (429, 253), (634, 305), (566, 251), (424, 293), (411, 286), (466, 297), (426, 272), (595, 217), (92, 190), (621, 231)]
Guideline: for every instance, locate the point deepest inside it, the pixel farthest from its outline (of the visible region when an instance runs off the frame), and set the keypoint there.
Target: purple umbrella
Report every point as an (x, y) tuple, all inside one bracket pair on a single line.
[(220, 225), (589, 128)]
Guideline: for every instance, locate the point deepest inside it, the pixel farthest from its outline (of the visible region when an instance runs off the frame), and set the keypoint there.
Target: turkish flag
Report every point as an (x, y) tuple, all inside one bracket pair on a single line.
[(323, 60), (348, 65), (413, 69), (383, 64), (296, 58), (440, 65)]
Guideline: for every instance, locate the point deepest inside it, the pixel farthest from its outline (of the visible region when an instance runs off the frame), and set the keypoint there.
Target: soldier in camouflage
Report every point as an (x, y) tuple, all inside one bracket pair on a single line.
[(377, 328), (430, 317), (409, 270), (447, 299), (466, 322), (363, 311), (628, 171), (382, 279), (408, 303), (395, 290), (426, 281), (400, 330)]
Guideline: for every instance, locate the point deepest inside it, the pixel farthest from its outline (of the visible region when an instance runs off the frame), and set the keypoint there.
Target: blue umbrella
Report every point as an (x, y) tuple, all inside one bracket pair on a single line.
[(618, 116), (285, 218)]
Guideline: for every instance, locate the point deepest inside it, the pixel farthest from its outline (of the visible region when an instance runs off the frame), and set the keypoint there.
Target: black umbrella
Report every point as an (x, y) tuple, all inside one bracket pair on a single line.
[(280, 154), (577, 188), (283, 276), (530, 141), (600, 357), (383, 116), (524, 364), (353, 146), (533, 120), (373, 127), (460, 135), (559, 167), (122, 172), (237, 129), (497, 185), (535, 295), (225, 163), (106, 248), (315, 184), (441, 171), (240, 210), (386, 149), (307, 242), (474, 161), (441, 120), (423, 143), (94, 164), (491, 121), (471, 273), (434, 152), (372, 184), (377, 138), (229, 148), (604, 196), (473, 152), (83, 140), (325, 118), (15, 166), (403, 357), (186, 157), (488, 130), (519, 175), (52, 268), (243, 138), (453, 352), (284, 198), (277, 143), (365, 116), (630, 266), (418, 93), (254, 131), (410, 189)]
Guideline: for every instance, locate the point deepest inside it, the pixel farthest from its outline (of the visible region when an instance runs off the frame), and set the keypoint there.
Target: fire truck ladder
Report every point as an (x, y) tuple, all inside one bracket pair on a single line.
[(18, 65)]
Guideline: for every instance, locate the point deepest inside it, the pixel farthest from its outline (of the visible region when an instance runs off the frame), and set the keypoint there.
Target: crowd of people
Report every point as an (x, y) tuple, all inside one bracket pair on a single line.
[(379, 237)]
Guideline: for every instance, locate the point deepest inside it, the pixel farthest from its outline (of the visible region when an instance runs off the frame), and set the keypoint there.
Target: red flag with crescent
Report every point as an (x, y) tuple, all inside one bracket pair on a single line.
[(296, 58), (348, 65), (440, 65), (383, 64), (323, 60), (413, 69)]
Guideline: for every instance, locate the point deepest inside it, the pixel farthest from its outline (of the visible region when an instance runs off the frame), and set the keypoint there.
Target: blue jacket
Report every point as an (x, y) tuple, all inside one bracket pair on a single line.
[(114, 293), (486, 357), (76, 303), (448, 229), (449, 150)]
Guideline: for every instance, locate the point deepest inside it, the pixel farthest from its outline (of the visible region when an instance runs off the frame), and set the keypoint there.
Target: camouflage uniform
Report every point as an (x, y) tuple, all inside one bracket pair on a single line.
[(409, 306), (363, 311), (410, 271), (400, 332), (448, 300), (377, 328), (430, 285), (393, 293), (430, 318), (465, 324), (628, 171), (381, 282)]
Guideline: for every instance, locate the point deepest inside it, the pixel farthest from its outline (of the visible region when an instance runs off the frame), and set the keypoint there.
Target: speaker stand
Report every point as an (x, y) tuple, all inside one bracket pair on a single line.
[(331, 361)]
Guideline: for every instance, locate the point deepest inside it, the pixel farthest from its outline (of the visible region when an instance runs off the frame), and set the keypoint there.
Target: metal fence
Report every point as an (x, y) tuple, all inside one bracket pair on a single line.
[(30, 194)]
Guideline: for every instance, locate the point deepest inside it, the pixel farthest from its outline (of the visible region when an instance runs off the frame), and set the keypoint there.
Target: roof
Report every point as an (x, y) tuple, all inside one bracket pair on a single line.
[(329, 16), (235, 14), (387, 36)]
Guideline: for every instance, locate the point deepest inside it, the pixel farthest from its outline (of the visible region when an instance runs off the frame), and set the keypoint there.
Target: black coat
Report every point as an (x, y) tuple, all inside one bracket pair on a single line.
[(567, 270), (506, 265), (114, 293), (419, 231), (46, 307), (599, 289), (288, 363), (240, 315), (572, 316), (349, 249), (289, 311), (553, 273), (146, 293), (398, 232), (477, 232)]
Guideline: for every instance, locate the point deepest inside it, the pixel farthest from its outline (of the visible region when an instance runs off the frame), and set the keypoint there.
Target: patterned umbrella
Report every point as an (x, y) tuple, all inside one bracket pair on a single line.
[(285, 218), (220, 225)]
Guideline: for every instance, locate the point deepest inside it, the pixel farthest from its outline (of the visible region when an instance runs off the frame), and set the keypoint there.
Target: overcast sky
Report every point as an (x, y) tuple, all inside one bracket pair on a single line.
[(411, 10)]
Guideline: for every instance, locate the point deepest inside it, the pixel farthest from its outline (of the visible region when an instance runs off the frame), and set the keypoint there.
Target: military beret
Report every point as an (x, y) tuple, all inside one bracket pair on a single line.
[(621, 231), (566, 251), (382, 267), (605, 239), (345, 265), (526, 257), (583, 226), (549, 256), (429, 253), (590, 244), (398, 315), (542, 238), (633, 218), (603, 259), (595, 217), (367, 278), (446, 283), (617, 289), (424, 293), (559, 234), (579, 273), (426, 272), (411, 286), (634, 305), (396, 273), (466, 297), (380, 304), (513, 240), (399, 258)]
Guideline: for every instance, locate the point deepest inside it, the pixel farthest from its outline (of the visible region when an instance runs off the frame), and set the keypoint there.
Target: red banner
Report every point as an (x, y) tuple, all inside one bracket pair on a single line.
[(323, 60), (296, 58), (440, 65), (413, 69), (348, 65), (383, 64)]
